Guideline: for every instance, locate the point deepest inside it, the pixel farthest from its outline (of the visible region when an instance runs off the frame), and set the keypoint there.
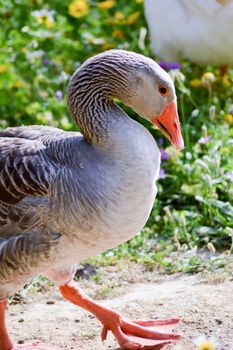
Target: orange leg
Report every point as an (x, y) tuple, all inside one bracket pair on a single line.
[(6, 343), (150, 334)]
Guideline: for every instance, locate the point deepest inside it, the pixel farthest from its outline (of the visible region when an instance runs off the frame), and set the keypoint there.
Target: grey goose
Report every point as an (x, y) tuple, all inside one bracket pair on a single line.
[(65, 196)]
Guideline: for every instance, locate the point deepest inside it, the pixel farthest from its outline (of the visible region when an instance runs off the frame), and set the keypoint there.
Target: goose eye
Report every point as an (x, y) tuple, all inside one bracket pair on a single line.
[(163, 90)]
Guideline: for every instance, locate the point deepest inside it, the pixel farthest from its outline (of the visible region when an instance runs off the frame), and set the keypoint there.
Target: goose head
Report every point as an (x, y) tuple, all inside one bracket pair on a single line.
[(152, 95), (136, 80)]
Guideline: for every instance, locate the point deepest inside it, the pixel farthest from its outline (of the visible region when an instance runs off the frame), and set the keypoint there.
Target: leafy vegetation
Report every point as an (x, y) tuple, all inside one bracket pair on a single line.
[(42, 43)]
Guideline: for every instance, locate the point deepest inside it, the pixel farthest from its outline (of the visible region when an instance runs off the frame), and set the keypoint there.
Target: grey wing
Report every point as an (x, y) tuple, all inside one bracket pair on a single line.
[(26, 171), (44, 134), (34, 132)]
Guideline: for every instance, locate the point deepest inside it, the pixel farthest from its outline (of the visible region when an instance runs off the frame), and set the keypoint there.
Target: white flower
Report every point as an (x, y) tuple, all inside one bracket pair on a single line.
[(188, 155), (205, 343), (212, 111), (176, 75), (229, 231), (195, 113), (43, 13)]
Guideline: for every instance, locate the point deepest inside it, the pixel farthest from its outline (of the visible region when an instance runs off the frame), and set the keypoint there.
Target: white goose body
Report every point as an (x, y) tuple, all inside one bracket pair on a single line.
[(194, 29)]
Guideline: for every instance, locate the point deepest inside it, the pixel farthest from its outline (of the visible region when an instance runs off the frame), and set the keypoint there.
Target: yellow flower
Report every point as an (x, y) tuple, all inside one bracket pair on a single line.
[(229, 118), (118, 33), (195, 83), (45, 20), (40, 19), (91, 39), (204, 343), (48, 22), (24, 49), (208, 76), (78, 8), (107, 4), (133, 17), (3, 68), (139, 1), (18, 84), (207, 79), (119, 15)]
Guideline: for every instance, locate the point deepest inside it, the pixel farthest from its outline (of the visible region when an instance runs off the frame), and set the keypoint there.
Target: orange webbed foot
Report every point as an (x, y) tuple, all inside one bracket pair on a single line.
[(131, 335), (134, 335)]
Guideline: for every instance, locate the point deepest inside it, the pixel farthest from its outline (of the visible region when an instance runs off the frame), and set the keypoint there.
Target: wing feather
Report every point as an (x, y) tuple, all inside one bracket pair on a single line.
[(30, 159), (26, 168)]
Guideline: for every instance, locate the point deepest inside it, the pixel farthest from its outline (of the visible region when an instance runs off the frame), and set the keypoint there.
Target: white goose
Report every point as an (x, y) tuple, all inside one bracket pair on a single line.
[(198, 30), (65, 196)]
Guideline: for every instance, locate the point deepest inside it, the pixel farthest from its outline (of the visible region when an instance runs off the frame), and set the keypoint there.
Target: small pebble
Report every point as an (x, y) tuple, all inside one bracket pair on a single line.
[(20, 320), (20, 341), (50, 302), (218, 321), (77, 320)]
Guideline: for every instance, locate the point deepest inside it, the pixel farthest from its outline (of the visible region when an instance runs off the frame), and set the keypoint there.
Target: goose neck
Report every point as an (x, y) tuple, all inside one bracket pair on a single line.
[(90, 96)]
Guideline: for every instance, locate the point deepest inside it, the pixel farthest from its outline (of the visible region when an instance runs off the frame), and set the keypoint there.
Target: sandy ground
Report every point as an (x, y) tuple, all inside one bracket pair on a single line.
[(205, 308)]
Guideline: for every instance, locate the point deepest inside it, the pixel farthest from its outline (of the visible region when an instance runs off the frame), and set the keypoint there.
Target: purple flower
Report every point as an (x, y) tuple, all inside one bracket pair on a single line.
[(58, 95), (231, 109), (162, 174), (46, 61), (169, 65), (204, 139), (161, 141), (164, 155)]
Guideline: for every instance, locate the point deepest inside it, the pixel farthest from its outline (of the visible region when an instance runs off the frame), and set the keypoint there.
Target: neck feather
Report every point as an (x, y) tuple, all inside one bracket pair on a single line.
[(91, 92)]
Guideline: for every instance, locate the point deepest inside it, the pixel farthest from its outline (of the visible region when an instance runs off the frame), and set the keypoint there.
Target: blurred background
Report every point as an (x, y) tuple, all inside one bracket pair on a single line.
[(43, 42)]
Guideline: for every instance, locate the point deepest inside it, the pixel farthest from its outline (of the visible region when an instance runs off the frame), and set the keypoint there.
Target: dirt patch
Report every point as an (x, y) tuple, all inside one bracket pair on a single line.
[(204, 308)]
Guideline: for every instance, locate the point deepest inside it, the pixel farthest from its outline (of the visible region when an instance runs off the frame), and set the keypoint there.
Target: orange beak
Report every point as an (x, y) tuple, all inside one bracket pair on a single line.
[(168, 123)]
